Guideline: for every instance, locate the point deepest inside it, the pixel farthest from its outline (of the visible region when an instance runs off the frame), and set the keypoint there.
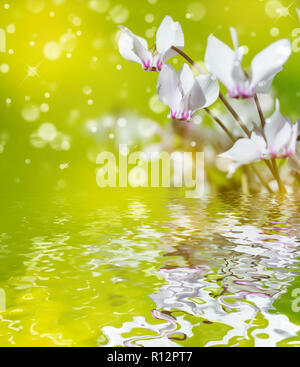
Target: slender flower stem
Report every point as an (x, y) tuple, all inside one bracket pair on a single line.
[(256, 171), (188, 59), (220, 123), (281, 187), (245, 184), (260, 112), (272, 166), (297, 175), (262, 180), (234, 114), (232, 111)]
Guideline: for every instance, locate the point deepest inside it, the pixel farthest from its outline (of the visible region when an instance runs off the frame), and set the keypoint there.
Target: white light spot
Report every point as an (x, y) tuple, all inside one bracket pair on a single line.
[(47, 131), (11, 28), (274, 32), (156, 105), (44, 107), (30, 112), (119, 14), (122, 122), (4, 68), (52, 50), (149, 18), (87, 90)]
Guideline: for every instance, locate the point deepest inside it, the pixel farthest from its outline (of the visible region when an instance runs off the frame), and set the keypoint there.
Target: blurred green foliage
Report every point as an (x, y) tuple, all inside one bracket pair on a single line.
[(80, 75)]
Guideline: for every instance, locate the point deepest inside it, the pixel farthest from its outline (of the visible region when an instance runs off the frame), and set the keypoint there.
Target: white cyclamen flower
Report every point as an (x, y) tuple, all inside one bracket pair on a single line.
[(134, 48), (278, 140), (225, 64), (184, 93)]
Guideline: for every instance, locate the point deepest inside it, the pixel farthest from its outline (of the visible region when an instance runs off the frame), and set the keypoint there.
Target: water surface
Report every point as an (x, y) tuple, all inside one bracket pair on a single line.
[(150, 268)]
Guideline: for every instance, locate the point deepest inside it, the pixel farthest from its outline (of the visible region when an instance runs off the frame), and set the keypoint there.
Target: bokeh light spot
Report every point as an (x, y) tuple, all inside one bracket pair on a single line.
[(197, 11), (156, 105), (30, 112), (61, 142), (52, 50), (273, 8), (274, 32), (44, 107), (47, 131), (68, 42), (11, 28), (119, 14), (87, 90), (35, 6), (99, 6), (149, 18), (4, 68)]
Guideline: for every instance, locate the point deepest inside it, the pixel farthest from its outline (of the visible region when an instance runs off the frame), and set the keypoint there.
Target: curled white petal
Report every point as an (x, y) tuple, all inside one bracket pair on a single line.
[(269, 62), (244, 151), (132, 47), (186, 78), (169, 34), (220, 60), (210, 88), (168, 87)]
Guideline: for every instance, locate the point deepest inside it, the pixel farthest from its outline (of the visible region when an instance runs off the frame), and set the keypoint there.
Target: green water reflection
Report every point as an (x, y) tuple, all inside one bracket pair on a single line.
[(149, 268)]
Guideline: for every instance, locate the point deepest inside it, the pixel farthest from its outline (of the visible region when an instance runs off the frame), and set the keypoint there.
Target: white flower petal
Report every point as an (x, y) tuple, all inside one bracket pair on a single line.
[(186, 78), (126, 48), (275, 130), (131, 34), (259, 140), (269, 61), (244, 151), (132, 47), (210, 88), (232, 168), (298, 11), (291, 147), (169, 34), (281, 140), (220, 60), (196, 98), (168, 87), (234, 37), (264, 86)]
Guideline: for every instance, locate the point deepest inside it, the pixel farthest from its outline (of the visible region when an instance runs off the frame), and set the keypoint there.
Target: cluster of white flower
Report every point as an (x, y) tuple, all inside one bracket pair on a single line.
[(185, 94)]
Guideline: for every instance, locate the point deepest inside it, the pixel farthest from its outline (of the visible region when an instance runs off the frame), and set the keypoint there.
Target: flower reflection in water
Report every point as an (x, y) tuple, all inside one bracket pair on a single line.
[(232, 273), (150, 270)]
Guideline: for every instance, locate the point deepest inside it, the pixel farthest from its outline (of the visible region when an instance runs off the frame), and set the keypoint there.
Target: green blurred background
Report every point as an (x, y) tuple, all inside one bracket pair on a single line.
[(62, 73)]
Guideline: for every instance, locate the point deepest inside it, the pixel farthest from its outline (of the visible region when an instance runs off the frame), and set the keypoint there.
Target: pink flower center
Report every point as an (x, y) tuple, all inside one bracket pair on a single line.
[(241, 91), (183, 116), (152, 65)]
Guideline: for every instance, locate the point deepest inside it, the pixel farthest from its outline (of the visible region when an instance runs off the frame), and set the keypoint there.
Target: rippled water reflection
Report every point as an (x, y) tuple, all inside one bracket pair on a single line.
[(150, 269)]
